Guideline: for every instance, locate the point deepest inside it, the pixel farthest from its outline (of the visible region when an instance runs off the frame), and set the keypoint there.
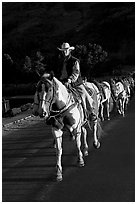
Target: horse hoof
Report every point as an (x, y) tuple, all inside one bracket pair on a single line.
[(97, 145), (119, 112), (72, 138), (54, 144), (81, 163), (85, 152), (59, 178), (108, 118)]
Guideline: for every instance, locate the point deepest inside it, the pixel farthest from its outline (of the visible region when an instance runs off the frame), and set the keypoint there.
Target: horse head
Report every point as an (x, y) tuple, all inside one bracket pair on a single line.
[(43, 97), (119, 88), (51, 96)]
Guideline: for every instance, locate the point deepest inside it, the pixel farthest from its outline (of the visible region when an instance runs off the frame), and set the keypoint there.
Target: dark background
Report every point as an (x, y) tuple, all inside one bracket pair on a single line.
[(28, 27)]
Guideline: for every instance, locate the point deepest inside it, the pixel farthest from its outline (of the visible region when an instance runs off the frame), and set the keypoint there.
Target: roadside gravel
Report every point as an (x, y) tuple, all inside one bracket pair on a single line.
[(19, 121)]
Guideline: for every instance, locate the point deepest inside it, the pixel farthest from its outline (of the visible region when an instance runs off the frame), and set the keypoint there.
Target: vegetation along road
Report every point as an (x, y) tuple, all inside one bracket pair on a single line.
[(29, 164)]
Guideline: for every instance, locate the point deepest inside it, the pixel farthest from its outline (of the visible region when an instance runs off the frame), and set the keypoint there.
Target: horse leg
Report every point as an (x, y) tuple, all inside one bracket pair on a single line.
[(54, 143), (123, 107), (107, 104), (96, 143), (78, 145), (119, 106), (126, 103), (102, 111), (127, 99), (58, 140), (85, 150)]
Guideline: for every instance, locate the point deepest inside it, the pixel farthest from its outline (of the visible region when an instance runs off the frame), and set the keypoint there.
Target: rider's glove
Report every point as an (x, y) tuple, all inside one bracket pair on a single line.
[(68, 83)]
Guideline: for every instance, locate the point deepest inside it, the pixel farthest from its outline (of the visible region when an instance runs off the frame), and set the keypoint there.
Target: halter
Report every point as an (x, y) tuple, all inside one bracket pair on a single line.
[(41, 100)]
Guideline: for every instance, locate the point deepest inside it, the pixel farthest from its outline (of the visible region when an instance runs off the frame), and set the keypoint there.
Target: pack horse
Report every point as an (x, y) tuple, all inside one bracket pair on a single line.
[(56, 104), (121, 96)]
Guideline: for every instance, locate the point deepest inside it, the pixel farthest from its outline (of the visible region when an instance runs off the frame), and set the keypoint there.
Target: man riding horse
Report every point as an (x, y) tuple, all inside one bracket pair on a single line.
[(54, 101), (70, 74)]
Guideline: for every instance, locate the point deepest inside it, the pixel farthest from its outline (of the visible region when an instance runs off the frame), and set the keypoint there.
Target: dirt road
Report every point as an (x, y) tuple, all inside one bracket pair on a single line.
[(29, 164)]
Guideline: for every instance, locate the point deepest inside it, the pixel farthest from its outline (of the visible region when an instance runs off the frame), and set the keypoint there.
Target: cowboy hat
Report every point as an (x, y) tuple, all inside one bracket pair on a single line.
[(66, 46)]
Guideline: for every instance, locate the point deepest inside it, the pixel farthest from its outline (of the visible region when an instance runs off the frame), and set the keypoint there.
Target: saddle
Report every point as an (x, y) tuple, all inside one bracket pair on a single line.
[(76, 95)]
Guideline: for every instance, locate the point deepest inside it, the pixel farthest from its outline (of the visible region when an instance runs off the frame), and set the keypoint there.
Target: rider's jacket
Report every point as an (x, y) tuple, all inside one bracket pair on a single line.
[(71, 70)]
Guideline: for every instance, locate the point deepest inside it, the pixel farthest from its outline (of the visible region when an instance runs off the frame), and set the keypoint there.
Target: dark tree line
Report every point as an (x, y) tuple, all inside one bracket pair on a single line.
[(90, 56), (32, 67)]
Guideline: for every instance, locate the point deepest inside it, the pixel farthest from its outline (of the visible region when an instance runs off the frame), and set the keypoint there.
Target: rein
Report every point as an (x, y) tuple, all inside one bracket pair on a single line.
[(62, 110)]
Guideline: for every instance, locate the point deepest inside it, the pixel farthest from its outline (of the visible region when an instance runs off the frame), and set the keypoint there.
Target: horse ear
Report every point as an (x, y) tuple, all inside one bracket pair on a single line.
[(47, 77), (51, 75)]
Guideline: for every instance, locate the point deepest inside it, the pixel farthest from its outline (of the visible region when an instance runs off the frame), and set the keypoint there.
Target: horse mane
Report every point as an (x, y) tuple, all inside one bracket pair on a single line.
[(60, 85)]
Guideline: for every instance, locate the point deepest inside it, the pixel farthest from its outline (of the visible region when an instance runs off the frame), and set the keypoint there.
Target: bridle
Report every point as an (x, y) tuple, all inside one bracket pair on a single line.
[(54, 113), (42, 100)]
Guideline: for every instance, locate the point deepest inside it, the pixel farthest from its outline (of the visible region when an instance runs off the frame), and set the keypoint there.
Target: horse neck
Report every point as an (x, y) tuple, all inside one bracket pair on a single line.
[(61, 93)]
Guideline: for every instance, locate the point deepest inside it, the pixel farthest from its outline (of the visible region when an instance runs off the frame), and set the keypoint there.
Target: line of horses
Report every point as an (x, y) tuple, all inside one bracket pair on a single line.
[(61, 109)]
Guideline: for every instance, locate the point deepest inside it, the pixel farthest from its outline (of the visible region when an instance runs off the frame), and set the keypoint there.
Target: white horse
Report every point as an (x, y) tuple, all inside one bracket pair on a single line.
[(92, 86), (105, 101), (103, 98), (53, 100), (121, 96), (127, 88)]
